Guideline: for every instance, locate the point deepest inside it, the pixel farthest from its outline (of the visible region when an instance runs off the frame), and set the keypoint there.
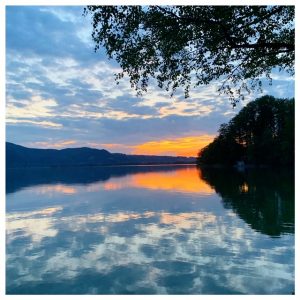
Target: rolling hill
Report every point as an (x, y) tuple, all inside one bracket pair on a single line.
[(19, 156)]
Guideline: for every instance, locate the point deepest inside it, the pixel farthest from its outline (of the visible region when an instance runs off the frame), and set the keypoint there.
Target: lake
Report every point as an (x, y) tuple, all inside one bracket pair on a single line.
[(149, 230)]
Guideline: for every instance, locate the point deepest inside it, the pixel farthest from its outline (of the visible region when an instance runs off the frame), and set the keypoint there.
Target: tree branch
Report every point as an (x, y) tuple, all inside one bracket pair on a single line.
[(288, 47)]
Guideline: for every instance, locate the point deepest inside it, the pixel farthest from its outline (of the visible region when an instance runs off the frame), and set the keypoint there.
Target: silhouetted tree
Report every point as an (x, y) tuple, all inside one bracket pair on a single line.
[(194, 45), (261, 133)]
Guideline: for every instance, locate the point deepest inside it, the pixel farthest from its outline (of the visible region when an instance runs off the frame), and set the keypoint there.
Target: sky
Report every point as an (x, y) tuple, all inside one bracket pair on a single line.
[(61, 94)]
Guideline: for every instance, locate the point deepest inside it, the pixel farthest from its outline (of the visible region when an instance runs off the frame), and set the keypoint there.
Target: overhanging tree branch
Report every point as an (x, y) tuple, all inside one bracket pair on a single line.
[(184, 46)]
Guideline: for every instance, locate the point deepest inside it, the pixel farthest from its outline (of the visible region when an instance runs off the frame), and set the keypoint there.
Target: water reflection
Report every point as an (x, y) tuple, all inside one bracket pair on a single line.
[(263, 198), (125, 235), (177, 180), (173, 178), (19, 178)]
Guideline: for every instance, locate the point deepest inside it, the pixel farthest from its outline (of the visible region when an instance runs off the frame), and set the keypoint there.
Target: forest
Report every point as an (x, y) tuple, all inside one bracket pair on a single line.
[(262, 133)]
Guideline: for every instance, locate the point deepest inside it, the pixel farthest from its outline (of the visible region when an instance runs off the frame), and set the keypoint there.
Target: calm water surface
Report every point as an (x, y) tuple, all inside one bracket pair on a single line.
[(149, 230)]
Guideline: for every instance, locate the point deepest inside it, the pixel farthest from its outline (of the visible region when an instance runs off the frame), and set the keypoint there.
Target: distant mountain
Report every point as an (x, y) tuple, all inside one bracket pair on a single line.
[(19, 156)]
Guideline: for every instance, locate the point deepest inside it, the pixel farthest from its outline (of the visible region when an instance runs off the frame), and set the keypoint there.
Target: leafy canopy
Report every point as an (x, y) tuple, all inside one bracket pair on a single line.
[(261, 133), (188, 46)]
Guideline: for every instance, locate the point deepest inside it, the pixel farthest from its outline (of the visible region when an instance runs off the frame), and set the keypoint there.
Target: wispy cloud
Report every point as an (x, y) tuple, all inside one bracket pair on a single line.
[(55, 80), (32, 108), (50, 144), (31, 122)]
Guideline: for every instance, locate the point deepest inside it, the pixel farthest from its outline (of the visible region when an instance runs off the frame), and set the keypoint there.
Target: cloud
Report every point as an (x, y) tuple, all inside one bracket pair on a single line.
[(34, 108), (102, 131), (46, 124), (55, 80), (38, 31), (112, 147), (57, 144), (181, 108)]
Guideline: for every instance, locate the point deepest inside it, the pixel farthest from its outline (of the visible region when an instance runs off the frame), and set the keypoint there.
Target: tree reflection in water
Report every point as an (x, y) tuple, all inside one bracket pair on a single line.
[(149, 230), (263, 198)]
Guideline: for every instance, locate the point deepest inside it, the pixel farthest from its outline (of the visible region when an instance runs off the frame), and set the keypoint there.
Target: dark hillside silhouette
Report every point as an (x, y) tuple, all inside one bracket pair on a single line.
[(19, 156)]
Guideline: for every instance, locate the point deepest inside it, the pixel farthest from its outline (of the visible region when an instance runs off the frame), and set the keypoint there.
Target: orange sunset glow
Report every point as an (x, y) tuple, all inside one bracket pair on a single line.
[(185, 146), (181, 180)]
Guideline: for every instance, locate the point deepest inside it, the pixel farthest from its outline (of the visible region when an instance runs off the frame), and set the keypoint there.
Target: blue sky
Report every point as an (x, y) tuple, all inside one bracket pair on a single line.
[(60, 93)]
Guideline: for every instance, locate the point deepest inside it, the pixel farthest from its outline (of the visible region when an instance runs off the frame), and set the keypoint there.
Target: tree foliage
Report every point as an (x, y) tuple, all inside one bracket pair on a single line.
[(261, 133), (188, 46)]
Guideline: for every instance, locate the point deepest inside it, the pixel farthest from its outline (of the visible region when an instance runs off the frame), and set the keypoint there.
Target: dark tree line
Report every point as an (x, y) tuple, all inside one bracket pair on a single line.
[(262, 133)]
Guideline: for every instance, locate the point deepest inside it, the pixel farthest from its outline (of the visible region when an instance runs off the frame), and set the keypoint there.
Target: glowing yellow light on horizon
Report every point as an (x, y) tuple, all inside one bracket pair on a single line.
[(185, 146)]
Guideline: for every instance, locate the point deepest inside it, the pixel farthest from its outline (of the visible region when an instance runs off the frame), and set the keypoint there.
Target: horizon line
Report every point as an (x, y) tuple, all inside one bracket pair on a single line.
[(99, 150)]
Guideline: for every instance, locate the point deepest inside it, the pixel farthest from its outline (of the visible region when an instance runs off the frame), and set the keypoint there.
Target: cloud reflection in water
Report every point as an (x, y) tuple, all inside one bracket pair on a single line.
[(107, 244)]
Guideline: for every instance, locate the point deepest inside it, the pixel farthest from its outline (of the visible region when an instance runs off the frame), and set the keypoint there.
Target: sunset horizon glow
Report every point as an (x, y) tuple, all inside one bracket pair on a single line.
[(184, 146), (61, 94)]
